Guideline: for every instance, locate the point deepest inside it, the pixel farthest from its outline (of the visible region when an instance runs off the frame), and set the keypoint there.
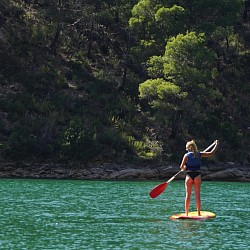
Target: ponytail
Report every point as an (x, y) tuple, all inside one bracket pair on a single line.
[(193, 147)]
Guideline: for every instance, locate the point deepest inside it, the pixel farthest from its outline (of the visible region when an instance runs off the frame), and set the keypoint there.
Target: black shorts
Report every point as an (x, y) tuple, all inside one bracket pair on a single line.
[(193, 174)]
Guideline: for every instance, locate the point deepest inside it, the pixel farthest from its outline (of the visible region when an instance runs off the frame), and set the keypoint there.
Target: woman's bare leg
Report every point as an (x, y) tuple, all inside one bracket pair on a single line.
[(188, 185), (197, 189)]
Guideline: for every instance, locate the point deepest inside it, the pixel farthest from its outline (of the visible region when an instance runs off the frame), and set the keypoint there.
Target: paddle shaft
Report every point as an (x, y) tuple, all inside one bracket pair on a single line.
[(211, 146), (172, 178)]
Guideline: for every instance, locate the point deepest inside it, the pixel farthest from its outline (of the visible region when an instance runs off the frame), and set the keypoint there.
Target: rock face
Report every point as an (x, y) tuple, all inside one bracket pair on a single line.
[(112, 171)]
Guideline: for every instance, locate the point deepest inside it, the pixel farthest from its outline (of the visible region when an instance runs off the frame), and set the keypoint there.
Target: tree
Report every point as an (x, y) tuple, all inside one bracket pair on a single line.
[(170, 21), (184, 87)]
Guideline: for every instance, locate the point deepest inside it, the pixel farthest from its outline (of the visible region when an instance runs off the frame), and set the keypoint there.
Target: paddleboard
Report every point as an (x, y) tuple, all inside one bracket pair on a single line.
[(193, 216)]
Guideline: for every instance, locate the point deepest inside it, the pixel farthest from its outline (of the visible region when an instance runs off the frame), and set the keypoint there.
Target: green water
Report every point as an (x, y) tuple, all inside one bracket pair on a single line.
[(73, 214)]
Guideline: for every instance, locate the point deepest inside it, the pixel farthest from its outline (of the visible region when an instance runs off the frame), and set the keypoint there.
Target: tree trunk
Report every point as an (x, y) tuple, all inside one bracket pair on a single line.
[(90, 39)]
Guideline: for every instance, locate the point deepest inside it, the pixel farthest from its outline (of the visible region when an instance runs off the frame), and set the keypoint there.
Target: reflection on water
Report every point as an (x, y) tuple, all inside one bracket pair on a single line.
[(62, 214)]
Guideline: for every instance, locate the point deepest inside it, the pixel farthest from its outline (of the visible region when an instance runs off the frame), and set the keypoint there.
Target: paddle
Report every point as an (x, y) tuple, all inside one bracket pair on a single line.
[(156, 191)]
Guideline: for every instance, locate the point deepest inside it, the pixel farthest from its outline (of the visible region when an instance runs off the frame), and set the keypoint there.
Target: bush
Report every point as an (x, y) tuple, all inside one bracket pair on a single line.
[(78, 142), (33, 136)]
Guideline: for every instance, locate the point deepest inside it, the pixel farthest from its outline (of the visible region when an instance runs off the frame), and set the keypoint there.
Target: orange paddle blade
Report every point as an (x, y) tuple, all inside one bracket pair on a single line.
[(158, 190)]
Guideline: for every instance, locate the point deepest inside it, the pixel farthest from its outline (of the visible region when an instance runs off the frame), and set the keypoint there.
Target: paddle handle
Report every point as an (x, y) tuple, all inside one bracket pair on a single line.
[(208, 148)]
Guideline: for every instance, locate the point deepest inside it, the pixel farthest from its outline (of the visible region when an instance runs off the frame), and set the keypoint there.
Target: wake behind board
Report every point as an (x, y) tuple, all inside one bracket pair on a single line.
[(193, 216)]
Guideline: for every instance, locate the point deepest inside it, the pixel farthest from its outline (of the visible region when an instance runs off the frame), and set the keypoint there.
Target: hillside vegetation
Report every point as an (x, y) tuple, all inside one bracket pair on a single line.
[(123, 80)]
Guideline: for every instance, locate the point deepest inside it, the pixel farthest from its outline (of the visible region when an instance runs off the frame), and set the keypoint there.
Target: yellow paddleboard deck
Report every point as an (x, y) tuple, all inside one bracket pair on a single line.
[(193, 216)]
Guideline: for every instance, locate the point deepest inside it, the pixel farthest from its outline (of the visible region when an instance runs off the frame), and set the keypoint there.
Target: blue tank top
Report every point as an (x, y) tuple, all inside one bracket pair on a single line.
[(193, 163)]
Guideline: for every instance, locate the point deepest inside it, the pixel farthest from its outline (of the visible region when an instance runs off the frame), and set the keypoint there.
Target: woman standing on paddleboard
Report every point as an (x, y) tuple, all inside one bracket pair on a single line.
[(191, 162)]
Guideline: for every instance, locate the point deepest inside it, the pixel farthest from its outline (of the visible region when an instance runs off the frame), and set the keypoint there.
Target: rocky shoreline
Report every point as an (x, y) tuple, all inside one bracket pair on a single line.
[(113, 171)]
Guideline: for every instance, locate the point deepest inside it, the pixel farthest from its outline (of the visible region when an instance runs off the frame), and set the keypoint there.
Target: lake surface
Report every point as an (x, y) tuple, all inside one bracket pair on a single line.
[(75, 214)]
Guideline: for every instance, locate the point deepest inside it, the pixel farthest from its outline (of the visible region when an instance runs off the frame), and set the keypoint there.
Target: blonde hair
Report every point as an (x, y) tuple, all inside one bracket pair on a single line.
[(193, 147)]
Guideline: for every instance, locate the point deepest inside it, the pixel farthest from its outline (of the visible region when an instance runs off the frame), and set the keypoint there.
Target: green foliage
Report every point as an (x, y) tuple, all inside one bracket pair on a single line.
[(70, 74), (185, 68), (187, 59), (145, 149), (143, 13), (155, 66), (79, 142), (160, 92), (48, 75), (171, 20), (207, 14), (33, 137)]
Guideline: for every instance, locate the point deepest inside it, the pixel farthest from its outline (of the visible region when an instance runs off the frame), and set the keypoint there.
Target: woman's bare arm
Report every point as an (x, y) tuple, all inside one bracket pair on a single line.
[(183, 163), (212, 152)]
